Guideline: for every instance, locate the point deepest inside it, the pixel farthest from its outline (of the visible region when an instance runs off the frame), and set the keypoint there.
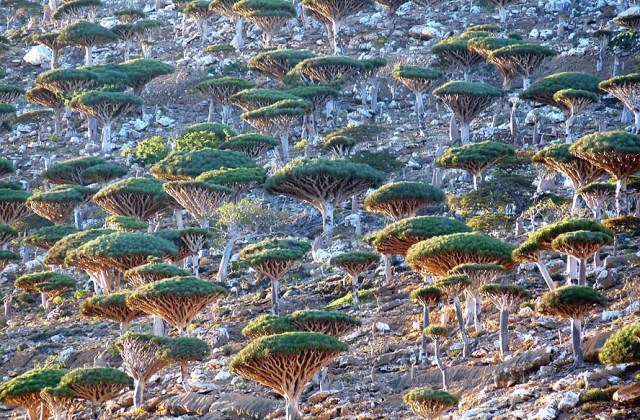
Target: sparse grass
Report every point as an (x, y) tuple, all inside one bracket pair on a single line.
[(364, 296), (598, 394)]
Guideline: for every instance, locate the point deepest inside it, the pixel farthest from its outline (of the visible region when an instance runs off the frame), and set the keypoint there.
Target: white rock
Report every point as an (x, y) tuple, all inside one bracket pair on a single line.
[(38, 55), (66, 354), (613, 380), (381, 326), (166, 121), (632, 308), (223, 375), (610, 315), (140, 125), (568, 401), (57, 338), (546, 413)]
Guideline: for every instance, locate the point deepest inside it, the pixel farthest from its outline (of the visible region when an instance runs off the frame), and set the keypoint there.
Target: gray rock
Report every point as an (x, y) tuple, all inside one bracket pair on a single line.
[(546, 413), (568, 401), (616, 261), (38, 55), (610, 315), (606, 279)]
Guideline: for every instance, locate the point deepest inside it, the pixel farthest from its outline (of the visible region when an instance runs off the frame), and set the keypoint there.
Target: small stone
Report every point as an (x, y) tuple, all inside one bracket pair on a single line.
[(320, 396), (165, 121), (223, 375), (608, 316), (56, 338), (613, 380), (568, 401), (546, 413), (382, 327), (605, 280)]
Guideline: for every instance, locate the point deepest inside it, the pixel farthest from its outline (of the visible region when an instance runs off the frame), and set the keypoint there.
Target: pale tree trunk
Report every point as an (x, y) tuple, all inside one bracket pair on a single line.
[(477, 178), (600, 62), (158, 326), (327, 220), (284, 146), (470, 309), (582, 280), (419, 105), (226, 257), (292, 411), (423, 339), (545, 275), (569, 128), (621, 192), (502, 11), (388, 274), (335, 38), (77, 217), (355, 212), (239, 37), (477, 318), (441, 366), (504, 332), (576, 341), (211, 117), (106, 136), (54, 58), (46, 303), (572, 269), (636, 121), (88, 55), (526, 83), (57, 121), (138, 393), (355, 286), (274, 297), (463, 332), (127, 49), (465, 133)]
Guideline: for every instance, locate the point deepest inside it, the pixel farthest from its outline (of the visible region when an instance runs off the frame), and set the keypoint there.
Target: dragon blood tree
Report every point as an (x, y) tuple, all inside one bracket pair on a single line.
[(129, 15), (252, 99), (189, 241), (24, 391), (143, 356), (211, 136), (318, 96), (69, 172), (574, 102), (626, 89), (339, 146), (398, 237), (88, 35), (332, 13), (620, 225), (273, 258), (616, 152), (277, 64), (475, 158), (185, 166), (455, 51), (323, 183), (541, 240), (140, 198), (125, 224), (523, 58), (55, 205), (629, 18), (286, 363), (199, 198), (126, 32), (239, 180), (218, 91), (96, 385), (332, 323), (111, 307), (543, 91), (52, 41), (505, 297), (268, 15), (418, 80), (177, 300), (7, 234), (355, 263), (10, 94), (225, 8), (581, 244), (427, 296), (572, 302), (402, 199), (439, 334), (60, 401), (328, 70), (429, 403), (466, 101), (268, 324), (200, 12), (45, 97), (152, 272), (598, 195), (49, 284), (622, 346), (252, 144), (106, 107), (77, 9), (118, 251), (59, 249), (453, 287), (479, 274), (13, 206), (139, 72), (277, 120), (183, 350), (581, 172)]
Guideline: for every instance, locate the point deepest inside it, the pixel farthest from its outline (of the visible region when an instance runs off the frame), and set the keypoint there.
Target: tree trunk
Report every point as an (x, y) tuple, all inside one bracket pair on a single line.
[(124, 327), (477, 319), (617, 64), (441, 366), (274, 297), (284, 146), (57, 122), (138, 393), (292, 412), (127, 49), (502, 11), (356, 213), (463, 332), (239, 37), (423, 339), (388, 275), (600, 62), (576, 341), (470, 309), (46, 303), (375, 88), (158, 326), (32, 413), (477, 178), (184, 375), (212, 112), (582, 281), (195, 263), (327, 220), (77, 217), (569, 128), (335, 36), (465, 133), (504, 332), (621, 192), (226, 114), (572, 269), (354, 290), (419, 105), (226, 257), (545, 275), (106, 136), (54, 58), (88, 52), (526, 83)]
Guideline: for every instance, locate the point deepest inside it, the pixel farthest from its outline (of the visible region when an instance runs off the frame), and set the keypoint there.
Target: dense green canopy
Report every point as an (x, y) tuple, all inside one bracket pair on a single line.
[(30, 382), (475, 157), (542, 91), (622, 347), (268, 324), (177, 287), (58, 252), (182, 166), (570, 301)]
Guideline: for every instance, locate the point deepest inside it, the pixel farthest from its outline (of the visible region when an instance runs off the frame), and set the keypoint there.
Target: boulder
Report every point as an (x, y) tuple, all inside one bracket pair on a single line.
[(38, 55), (189, 403), (629, 394)]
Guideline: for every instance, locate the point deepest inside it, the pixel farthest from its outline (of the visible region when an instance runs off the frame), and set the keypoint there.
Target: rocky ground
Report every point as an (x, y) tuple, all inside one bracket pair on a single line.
[(537, 381)]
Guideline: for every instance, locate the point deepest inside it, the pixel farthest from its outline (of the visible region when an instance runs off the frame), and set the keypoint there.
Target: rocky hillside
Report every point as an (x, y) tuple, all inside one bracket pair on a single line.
[(520, 148)]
